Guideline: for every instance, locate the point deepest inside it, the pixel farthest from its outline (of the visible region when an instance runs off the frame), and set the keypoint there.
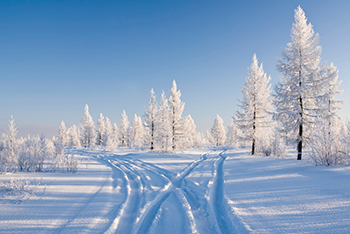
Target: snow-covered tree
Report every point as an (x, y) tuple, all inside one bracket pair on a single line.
[(74, 136), (302, 83), (176, 120), (63, 134), (87, 129), (32, 154), (62, 161), (108, 140), (137, 132), (256, 105), (331, 104), (124, 130), (163, 126), (208, 139), (218, 131), (115, 135), (190, 133), (150, 119), (199, 141), (101, 130), (9, 154), (232, 134)]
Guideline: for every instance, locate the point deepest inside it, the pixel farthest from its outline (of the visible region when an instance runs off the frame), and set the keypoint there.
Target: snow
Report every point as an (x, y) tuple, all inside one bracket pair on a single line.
[(192, 191)]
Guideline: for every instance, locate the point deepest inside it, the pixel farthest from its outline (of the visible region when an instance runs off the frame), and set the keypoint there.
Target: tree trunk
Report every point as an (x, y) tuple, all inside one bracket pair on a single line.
[(300, 143), (253, 147), (253, 143), (152, 133), (173, 135)]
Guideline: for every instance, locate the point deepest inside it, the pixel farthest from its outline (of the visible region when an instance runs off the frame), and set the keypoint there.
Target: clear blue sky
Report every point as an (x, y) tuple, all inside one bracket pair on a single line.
[(57, 56)]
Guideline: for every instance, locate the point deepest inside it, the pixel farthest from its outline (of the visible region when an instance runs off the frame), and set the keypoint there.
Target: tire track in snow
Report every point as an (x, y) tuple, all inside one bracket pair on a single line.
[(147, 218), (126, 218), (218, 200), (225, 219), (197, 208), (166, 177)]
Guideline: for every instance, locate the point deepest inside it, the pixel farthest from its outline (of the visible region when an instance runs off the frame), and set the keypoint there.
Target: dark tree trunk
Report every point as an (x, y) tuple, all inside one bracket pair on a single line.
[(152, 134), (173, 136), (300, 143), (253, 143), (253, 147), (173, 129)]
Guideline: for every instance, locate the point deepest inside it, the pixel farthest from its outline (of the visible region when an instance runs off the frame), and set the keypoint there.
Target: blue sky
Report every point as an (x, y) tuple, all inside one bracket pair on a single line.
[(57, 56)]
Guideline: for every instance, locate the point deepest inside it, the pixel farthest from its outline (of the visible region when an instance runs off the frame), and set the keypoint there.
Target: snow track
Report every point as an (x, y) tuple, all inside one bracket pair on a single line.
[(217, 198), (126, 219), (147, 219), (142, 208)]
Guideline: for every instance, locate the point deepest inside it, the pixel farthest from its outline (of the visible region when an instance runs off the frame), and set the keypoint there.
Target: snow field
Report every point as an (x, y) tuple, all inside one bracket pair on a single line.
[(72, 202), (287, 196), (212, 191)]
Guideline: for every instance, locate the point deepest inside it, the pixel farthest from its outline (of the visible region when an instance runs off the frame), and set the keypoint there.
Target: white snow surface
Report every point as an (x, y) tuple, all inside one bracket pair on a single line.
[(192, 191)]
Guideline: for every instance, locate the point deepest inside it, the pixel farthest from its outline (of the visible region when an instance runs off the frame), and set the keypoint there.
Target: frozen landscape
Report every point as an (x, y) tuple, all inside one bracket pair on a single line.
[(281, 164), (202, 191)]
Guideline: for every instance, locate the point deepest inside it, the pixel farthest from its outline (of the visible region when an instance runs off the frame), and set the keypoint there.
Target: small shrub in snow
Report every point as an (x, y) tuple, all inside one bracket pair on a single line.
[(17, 190), (62, 161), (326, 147)]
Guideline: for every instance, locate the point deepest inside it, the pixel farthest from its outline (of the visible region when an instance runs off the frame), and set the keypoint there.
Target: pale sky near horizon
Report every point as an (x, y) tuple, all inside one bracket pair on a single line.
[(57, 56)]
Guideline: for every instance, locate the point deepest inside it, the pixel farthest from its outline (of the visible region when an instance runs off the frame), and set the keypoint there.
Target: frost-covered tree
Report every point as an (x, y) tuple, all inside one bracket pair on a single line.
[(218, 131), (108, 140), (176, 120), (199, 141), (74, 136), (63, 134), (208, 139), (137, 132), (302, 83), (190, 133), (151, 119), (232, 134), (101, 130), (115, 135), (163, 126), (124, 130), (256, 105), (331, 104), (60, 160), (9, 154), (32, 154), (327, 144), (87, 129)]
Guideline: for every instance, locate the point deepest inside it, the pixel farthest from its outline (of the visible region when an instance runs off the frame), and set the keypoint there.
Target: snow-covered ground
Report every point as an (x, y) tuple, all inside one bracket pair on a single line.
[(195, 191)]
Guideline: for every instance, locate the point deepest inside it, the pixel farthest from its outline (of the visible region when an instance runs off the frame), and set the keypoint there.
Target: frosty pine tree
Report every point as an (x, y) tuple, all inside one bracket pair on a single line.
[(302, 83), (256, 105)]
